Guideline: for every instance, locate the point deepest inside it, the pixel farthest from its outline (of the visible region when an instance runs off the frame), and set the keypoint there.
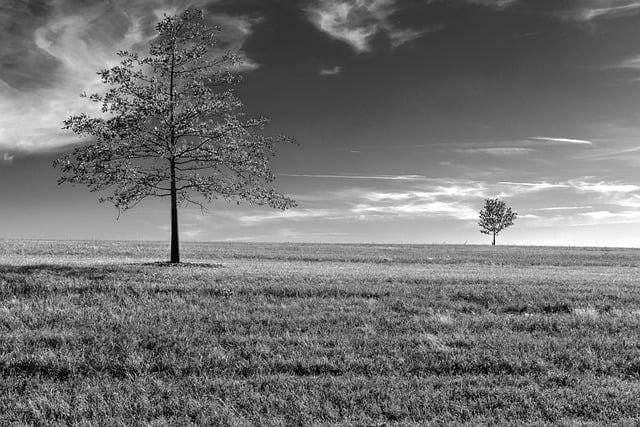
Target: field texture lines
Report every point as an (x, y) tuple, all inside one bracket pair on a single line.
[(100, 333)]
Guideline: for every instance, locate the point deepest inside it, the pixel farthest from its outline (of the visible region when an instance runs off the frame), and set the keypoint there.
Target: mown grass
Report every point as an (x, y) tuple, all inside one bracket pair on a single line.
[(96, 333)]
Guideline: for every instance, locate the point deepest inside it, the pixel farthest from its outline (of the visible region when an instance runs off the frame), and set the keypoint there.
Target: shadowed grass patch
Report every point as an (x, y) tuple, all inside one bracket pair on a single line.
[(318, 335)]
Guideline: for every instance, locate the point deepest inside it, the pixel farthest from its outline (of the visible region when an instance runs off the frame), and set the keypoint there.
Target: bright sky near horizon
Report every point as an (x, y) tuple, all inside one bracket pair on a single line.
[(408, 114)]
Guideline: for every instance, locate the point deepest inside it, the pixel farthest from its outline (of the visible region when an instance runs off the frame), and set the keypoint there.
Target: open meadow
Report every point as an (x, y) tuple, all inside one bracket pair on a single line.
[(98, 333)]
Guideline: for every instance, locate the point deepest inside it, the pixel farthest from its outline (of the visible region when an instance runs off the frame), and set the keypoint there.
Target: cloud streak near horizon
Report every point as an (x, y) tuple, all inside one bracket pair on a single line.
[(561, 140), (460, 200)]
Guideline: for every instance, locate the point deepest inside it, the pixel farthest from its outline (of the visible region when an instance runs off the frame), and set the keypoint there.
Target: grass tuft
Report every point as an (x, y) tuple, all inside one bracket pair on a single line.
[(98, 333)]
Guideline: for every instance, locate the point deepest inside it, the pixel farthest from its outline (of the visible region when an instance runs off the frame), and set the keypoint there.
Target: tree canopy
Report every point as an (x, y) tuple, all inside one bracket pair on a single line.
[(495, 217), (173, 128)]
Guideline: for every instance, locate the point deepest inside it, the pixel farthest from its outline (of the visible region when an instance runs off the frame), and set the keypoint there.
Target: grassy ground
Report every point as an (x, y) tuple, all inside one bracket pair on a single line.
[(95, 333)]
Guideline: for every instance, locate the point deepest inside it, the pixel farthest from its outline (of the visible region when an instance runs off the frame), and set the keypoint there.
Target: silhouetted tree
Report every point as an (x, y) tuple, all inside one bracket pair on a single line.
[(174, 129), (495, 217)]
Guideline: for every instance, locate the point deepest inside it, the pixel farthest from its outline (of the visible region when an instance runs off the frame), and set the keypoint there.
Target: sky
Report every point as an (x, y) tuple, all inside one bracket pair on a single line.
[(407, 113)]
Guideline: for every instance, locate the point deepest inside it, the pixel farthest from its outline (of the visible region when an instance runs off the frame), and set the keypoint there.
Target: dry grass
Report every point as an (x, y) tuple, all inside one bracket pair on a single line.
[(97, 334)]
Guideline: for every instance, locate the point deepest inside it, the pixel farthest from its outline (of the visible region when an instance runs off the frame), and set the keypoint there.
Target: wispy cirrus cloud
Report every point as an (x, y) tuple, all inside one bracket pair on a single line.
[(553, 140), (434, 191), (563, 208), (574, 10), (496, 151), (461, 199), (576, 185), (400, 36), (449, 209), (604, 187), (540, 204), (374, 177), (428, 198), (633, 63), (60, 48), (498, 4), (615, 217), (292, 215), (330, 71), (516, 147), (590, 10), (525, 187), (356, 22)]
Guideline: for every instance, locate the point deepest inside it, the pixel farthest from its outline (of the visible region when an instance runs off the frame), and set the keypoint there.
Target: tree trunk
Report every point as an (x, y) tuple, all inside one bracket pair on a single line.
[(494, 240), (175, 243)]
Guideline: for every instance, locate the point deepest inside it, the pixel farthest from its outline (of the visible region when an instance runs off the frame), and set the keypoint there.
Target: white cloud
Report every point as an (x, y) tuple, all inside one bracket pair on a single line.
[(421, 197), (291, 215), (432, 198), (30, 120), (462, 191), (509, 147), (380, 177), (533, 186), (608, 217), (452, 209), (577, 10), (356, 22), (632, 63), (235, 32), (6, 159), (392, 196), (539, 204), (561, 140), (331, 71), (604, 187), (498, 4), (458, 199), (399, 36), (496, 151), (564, 208), (82, 43), (589, 10)]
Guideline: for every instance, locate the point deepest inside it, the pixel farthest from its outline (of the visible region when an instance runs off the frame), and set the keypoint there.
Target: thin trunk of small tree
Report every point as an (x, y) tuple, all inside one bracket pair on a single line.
[(494, 240), (175, 242)]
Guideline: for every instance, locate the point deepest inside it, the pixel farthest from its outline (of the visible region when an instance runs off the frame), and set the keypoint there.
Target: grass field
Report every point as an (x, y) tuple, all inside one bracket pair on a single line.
[(96, 333)]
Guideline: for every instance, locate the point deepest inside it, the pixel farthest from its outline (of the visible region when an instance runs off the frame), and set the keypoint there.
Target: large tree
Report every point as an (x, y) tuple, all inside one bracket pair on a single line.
[(495, 217), (172, 127)]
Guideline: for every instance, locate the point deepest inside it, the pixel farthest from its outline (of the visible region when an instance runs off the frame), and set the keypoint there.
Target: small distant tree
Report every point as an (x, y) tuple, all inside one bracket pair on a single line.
[(174, 129), (495, 217)]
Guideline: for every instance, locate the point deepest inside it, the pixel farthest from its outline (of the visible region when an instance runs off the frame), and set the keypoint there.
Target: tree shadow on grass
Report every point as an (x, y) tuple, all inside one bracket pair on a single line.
[(44, 280), (95, 272), (61, 372), (90, 272), (179, 265)]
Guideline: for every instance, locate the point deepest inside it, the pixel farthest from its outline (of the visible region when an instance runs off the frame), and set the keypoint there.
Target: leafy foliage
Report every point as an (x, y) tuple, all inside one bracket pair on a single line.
[(495, 217), (174, 127)]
